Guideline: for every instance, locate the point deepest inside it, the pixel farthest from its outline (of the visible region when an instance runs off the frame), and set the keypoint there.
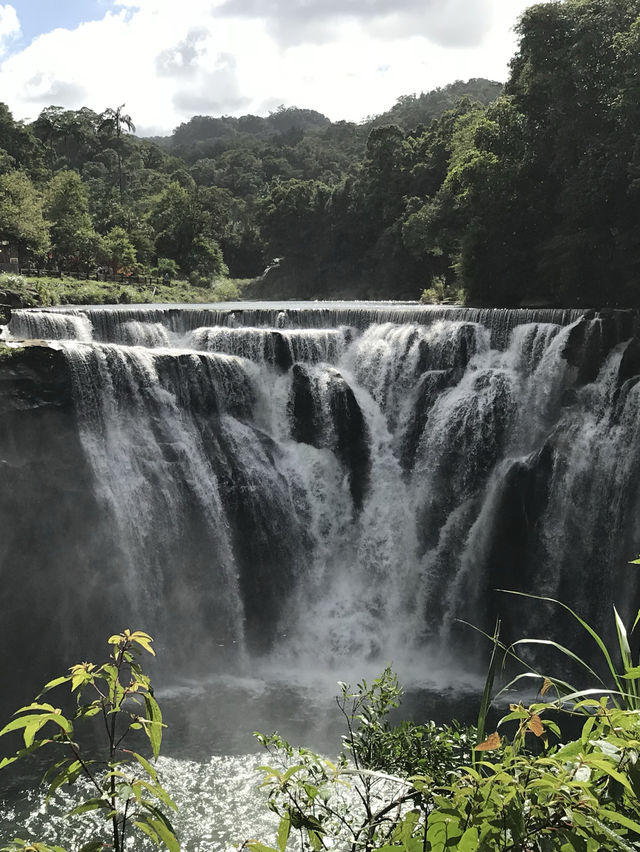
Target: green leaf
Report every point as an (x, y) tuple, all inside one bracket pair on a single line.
[(110, 671), (291, 771), (48, 708), (165, 833), (158, 791), (437, 836), (153, 728), (144, 640), (623, 641), (58, 681), (408, 825), (605, 766), (30, 732), (37, 721), (67, 776), (145, 764), (148, 830), (469, 841), (621, 819), (255, 846), (616, 841), (283, 832), (315, 840), (90, 805)]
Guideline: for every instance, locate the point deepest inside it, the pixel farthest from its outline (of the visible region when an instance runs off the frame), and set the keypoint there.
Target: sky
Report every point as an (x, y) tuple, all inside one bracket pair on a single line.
[(168, 60)]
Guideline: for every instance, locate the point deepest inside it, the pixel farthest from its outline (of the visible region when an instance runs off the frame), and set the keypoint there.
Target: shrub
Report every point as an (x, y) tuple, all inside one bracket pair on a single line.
[(441, 293), (166, 266), (357, 799), (225, 291), (124, 785), (10, 281), (524, 792)]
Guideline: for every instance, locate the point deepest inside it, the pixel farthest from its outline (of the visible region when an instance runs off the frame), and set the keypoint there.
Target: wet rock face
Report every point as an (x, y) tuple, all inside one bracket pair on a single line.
[(630, 363), (341, 427), (591, 340), (34, 377), (11, 300), (281, 352), (352, 438), (47, 513), (304, 409)]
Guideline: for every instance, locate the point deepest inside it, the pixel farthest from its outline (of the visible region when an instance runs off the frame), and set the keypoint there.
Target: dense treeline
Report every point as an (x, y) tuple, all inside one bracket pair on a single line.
[(533, 199), (78, 189), (524, 196)]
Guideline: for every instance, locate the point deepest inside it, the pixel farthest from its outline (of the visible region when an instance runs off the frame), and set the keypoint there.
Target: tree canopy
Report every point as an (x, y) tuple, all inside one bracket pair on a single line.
[(526, 194)]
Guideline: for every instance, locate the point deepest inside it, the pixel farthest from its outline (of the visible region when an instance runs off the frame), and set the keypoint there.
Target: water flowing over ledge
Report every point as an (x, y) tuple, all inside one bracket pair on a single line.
[(181, 319), (324, 484)]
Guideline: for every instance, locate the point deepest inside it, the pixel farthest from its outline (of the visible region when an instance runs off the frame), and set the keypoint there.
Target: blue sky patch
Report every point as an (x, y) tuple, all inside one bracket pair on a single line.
[(42, 16)]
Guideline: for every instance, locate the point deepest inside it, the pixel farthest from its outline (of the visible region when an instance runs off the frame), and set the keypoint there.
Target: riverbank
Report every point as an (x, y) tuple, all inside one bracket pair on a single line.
[(18, 291)]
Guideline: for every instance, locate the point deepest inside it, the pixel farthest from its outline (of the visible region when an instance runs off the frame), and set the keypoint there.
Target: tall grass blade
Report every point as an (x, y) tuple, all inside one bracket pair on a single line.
[(564, 650), (485, 701), (587, 627), (625, 656)]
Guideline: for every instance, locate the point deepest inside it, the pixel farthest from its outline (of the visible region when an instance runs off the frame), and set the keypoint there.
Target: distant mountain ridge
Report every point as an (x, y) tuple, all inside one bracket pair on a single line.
[(291, 124)]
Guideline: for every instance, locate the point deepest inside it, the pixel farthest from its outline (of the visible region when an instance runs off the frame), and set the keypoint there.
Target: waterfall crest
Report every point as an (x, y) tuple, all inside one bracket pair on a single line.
[(339, 482)]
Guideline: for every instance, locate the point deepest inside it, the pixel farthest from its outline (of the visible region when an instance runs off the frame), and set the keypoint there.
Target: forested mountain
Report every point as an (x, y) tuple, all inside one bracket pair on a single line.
[(533, 199), (78, 188), (524, 195)]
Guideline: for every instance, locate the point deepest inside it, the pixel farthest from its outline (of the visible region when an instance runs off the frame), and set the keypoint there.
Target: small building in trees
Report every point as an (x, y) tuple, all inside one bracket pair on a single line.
[(8, 257)]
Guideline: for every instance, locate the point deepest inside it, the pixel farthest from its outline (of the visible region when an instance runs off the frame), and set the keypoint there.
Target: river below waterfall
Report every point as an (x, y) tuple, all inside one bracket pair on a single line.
[(289, 495), (210, 760)]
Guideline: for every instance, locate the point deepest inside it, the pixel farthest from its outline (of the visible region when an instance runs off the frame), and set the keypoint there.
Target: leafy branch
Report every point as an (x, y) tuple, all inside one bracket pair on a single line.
[(124, 785)]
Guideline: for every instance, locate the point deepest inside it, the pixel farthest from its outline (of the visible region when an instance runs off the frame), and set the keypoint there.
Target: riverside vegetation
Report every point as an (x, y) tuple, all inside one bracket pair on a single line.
[(121, 783), (522, 194), (420, 788), (408, 787), (43, 291)]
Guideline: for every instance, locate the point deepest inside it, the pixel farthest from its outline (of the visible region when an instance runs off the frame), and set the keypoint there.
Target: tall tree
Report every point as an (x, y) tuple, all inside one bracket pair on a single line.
[(21, 214), (74, 241), (20, 145), (48, 127), (118, 252), (184, 230), (115, 123)]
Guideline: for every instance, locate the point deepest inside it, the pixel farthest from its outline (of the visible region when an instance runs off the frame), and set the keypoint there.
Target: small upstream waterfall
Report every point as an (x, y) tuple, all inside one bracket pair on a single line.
[(334, 484)]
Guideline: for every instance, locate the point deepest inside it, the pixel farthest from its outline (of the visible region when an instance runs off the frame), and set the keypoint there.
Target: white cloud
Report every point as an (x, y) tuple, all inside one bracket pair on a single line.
[(167, 61), (446, 22), (9, 26)]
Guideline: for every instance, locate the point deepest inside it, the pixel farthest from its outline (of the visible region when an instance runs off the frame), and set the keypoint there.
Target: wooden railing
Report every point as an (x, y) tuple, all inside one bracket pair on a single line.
[(104, 275)]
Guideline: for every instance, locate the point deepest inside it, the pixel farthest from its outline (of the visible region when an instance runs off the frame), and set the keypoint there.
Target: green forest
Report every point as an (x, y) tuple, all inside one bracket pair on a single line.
[(522, 194)]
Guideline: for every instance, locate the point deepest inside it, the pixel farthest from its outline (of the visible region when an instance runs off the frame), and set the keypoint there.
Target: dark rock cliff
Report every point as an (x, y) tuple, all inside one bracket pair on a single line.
[(47, 508)]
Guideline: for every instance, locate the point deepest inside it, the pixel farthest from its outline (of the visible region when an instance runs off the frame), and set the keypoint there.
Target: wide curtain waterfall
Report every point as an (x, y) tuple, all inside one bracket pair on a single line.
[(324, 483)]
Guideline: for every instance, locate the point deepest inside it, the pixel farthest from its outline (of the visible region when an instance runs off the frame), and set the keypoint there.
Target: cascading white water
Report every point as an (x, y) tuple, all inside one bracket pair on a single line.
[(262, 488), (49, 325), (343, 487), (283, 347)]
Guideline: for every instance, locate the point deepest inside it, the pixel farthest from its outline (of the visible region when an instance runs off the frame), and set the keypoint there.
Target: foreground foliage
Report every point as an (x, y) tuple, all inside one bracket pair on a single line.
[(428, 789), (123, 785)]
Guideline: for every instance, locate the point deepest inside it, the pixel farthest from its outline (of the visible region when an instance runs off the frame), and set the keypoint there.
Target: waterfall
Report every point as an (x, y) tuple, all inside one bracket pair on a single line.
[(50, 325), (330, 483)]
